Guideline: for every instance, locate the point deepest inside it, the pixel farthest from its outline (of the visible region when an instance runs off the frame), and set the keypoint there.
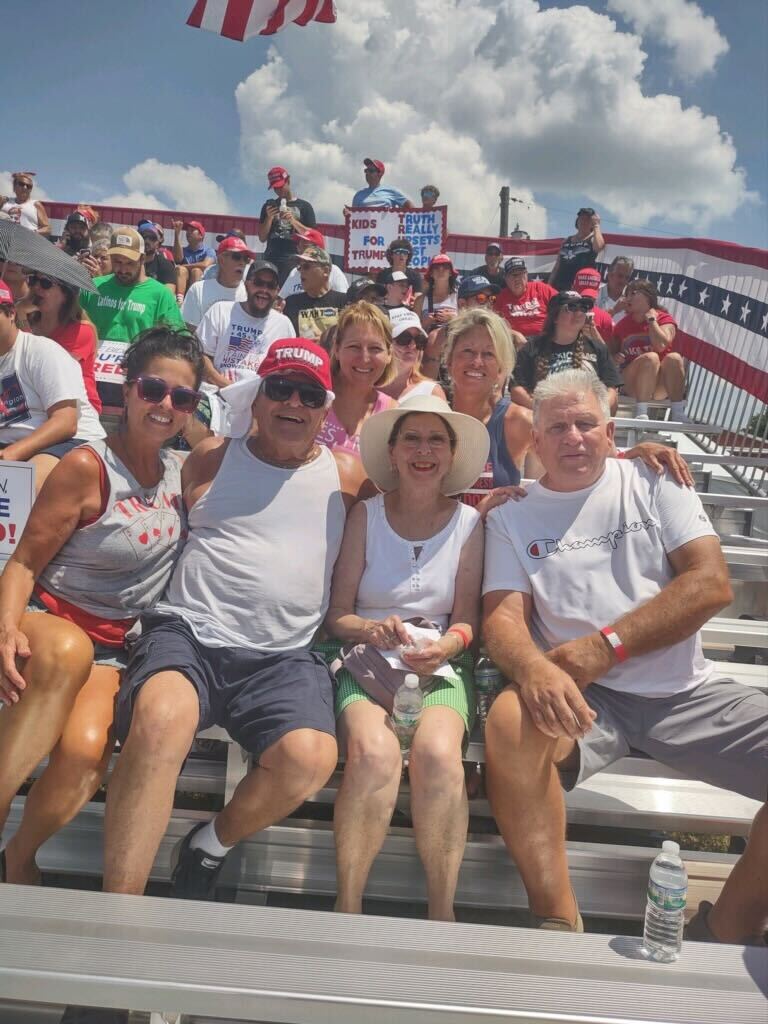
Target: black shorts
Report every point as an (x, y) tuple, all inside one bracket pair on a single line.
[(257, 697)]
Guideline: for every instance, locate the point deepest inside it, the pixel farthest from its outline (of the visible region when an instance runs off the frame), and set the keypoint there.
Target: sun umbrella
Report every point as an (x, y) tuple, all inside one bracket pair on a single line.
[(30, 250)]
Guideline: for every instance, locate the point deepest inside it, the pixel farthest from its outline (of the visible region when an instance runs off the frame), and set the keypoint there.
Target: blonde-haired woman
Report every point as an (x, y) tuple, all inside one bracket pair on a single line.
[(361, 363)]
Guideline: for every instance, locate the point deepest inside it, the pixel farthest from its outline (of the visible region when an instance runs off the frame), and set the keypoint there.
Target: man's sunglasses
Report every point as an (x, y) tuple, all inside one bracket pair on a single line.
[(400, 252), (155, 389), (36, 281), (482, 297), (577, 307), (239, 257), (280, 389), (372, 170), (404, 340)]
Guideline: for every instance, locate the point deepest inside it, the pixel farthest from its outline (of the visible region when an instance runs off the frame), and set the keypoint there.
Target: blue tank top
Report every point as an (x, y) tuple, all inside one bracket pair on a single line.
[(505, 472)]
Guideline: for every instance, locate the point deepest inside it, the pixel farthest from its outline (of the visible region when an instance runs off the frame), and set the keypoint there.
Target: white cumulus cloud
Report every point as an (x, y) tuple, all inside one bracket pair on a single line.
[(680, 25), (170, 186), (473, 94)]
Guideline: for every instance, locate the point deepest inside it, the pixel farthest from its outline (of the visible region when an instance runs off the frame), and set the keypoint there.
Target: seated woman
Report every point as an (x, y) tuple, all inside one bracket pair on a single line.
[(437, 307), (361, 363), (568, 341), (578, 251), (98, 549), (44, 410), (409, 341), (412, 551), (643, 343)]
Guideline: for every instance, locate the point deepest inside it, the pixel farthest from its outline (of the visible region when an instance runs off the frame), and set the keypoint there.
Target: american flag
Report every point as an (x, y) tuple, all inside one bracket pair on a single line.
[(241, 19)]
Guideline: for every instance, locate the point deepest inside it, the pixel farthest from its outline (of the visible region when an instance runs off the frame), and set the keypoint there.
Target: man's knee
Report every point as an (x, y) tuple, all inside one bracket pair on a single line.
[(165, 717), (374, 756), (511, 734), (303, 758)]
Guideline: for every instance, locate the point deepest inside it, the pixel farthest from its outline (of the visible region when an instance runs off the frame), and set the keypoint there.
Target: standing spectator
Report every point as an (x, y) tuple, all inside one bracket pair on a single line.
[(316, 308), (578, 251), (399, 255), (599, 324), (492, 266), (281, 219), (409, 339), (521, 302), (25, 210), (564, 344), (292, 283), (236, 335), (377, 195), (429, 196), (155, 264), (232, 259), (76, 238), (57, 314), (193, 258), (643, 343), (611, 295)]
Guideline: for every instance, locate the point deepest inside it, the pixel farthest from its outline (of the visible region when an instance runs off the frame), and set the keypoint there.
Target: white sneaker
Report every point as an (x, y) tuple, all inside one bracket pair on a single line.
[(643, 416)]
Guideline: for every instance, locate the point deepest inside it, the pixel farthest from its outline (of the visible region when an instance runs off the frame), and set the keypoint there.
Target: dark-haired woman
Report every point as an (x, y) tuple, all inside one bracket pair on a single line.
[(643, 342), (437, 307), (98, 549), (568, 340), (578, 251)]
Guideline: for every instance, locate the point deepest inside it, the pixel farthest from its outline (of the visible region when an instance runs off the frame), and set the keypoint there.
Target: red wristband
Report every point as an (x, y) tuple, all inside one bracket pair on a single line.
[(614, 641), (462, 634)]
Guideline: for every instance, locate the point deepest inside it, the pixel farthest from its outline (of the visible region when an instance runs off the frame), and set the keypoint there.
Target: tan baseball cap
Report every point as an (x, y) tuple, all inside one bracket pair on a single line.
[(126, 242)]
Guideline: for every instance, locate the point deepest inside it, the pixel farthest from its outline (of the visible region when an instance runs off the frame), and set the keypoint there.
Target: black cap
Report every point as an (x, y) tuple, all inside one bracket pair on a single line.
[(514, 265), (234, 233), (77, 216), (493, 245), (258, 265), (586, 209), (356, 289), (562, 298)]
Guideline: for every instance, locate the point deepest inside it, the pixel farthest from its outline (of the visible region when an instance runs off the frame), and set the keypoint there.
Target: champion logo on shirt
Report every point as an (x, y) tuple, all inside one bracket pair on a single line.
[(550, 546)]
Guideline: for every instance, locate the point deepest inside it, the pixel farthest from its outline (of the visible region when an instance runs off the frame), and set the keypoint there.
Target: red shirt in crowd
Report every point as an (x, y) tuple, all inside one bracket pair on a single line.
[(527, 312), (604, 324), (79, 339), (631, 338)]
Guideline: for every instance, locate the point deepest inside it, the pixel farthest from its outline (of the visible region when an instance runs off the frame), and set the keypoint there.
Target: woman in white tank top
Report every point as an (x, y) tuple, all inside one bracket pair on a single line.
[(22, 208), (409, 339), (412, 551)]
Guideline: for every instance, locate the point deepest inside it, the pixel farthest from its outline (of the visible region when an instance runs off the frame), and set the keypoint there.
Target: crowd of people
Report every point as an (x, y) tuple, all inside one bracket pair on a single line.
[(356, 459)]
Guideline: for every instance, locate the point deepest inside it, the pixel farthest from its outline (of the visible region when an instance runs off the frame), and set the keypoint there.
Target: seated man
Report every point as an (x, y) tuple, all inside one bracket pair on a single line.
[(612, 571), (230, 644), (192, 259), (232, 260)]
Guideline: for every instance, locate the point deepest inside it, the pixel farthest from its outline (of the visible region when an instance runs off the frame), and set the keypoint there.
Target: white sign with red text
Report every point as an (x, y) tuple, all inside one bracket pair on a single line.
[(17, 492), (369, 233)]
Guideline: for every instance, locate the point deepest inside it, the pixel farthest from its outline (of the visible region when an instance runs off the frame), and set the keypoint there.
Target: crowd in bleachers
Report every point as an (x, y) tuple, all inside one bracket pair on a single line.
[(302, 470)]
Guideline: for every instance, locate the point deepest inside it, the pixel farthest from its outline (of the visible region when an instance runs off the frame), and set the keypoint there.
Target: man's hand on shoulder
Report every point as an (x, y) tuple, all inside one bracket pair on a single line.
[(585, 659)]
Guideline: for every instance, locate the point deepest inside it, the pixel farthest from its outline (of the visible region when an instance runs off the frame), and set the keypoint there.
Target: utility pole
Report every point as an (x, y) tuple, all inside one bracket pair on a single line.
[(504, 211)]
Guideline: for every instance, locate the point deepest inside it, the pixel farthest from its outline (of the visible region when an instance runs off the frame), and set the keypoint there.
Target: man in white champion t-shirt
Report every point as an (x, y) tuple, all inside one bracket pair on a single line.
[(612, 571), (230, 644)]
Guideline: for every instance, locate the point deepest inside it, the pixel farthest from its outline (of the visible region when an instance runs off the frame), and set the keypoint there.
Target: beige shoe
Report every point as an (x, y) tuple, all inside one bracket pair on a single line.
[(557, 924)]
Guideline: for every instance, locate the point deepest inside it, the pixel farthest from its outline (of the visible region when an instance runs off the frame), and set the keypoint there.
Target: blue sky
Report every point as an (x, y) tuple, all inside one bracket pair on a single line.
[(98, 88)]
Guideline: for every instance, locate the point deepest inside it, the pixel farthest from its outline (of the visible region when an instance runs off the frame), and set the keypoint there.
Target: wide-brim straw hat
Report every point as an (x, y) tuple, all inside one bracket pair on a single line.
[(469, 458)]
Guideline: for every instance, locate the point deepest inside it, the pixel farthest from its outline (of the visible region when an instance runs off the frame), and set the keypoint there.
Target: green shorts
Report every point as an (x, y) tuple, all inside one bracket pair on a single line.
[(456, 691)]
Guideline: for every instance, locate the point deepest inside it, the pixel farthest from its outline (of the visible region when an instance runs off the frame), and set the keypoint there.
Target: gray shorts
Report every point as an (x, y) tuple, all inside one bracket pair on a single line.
[(716, 733)]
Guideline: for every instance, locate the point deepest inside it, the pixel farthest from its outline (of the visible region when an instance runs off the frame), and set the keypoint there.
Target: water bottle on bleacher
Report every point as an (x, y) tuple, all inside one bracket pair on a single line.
[(667, 892), (488, 683), (406, 711)]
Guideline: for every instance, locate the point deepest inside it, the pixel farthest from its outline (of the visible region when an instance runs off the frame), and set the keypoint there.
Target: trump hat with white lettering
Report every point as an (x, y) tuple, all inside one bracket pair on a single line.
[(126, 242), (290, 356), (6, 295)]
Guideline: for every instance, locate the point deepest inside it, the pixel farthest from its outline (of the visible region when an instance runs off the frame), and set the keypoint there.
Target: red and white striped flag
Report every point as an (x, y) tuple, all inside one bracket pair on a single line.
[(241, 19)]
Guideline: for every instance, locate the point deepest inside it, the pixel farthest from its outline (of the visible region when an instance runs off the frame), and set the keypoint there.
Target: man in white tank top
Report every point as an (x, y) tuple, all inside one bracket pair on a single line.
[(230, 645)]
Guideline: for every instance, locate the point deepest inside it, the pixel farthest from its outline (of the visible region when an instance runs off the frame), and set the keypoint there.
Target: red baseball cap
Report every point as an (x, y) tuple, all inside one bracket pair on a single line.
[(587, 282), (298, 355), (442, 259), (312, 236), (370, 162), (6, 295), (194, 224), (277, 177), (234, 244)]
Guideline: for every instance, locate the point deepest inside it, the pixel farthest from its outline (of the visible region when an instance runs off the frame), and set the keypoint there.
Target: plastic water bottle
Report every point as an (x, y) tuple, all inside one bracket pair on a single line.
[(488, 683), (406, 711), (667, 892)]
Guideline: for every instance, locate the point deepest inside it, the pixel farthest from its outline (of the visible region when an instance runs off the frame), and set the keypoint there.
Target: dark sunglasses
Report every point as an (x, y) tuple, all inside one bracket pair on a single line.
[(372, 170), (482, 297), (239, 257), (36, 281), (404, 340), (400, 252), (280, 389), (155, 389), (576, 307)]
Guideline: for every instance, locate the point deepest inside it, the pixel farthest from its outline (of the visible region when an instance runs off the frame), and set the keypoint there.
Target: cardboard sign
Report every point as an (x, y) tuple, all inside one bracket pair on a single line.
[(17, 492), (108, 359), (368, 234)]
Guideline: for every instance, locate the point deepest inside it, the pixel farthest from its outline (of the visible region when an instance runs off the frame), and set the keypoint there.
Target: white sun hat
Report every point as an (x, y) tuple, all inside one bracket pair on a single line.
[(469, 458)]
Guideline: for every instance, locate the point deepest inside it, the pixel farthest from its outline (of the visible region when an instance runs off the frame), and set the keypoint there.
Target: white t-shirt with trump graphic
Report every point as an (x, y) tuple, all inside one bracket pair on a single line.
[(588, 557), (236, 341)]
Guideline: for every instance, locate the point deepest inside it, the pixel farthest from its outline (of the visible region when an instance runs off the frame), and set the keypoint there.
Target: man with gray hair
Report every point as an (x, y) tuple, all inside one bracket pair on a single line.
[(595, 589), (610, 295)]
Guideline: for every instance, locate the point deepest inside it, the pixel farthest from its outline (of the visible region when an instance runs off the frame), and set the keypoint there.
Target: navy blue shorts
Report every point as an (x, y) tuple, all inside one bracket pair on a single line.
[(256, 697)]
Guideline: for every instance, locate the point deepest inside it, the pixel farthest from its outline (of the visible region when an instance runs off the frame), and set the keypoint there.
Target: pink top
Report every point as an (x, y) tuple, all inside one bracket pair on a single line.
[(333, 435)]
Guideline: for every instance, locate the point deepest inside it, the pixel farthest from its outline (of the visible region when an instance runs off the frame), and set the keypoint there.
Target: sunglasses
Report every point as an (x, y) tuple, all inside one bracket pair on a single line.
[(22, 184), (372, 170), (239, 257), (400, 252), (482, 297), (36, 281), (404, 340), (155, 389), (280, 389), (576, 307)]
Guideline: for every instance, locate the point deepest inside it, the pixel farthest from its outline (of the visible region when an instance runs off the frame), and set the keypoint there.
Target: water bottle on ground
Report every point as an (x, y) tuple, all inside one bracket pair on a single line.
[(664, 918), (406, 711), (488, 683)]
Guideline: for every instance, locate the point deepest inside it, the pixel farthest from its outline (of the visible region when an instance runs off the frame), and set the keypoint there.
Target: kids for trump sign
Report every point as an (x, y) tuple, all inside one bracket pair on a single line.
[(368, 233), (17, 492)]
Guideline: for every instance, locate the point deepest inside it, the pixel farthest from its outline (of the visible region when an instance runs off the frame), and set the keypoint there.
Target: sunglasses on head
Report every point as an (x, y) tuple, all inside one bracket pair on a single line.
[(404, 340), (280, 389), (37, 281), (577, 307), (155, 389), (400, 252)]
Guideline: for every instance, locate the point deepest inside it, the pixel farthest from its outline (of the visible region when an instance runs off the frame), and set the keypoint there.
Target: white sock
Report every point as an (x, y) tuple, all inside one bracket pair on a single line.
[(678, 410), (207, 840), (641, 409)]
